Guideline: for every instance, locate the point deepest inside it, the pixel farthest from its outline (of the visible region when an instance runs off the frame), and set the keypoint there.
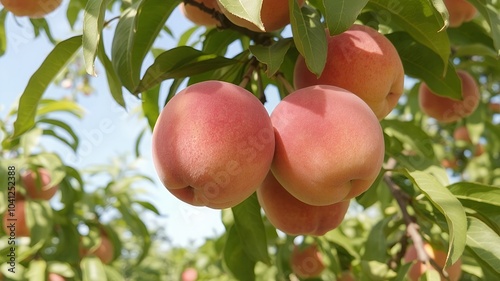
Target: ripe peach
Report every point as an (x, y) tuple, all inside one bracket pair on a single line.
[(36, 184), (199, 17), (55, 277), (307, 262), (104, 251), (213, 144), (448, 110), (494, 107), (449, 163), (274, 15), (419, 268), (362, 61), (189, 274), (461, 134), (295, 217), (459, 11), (346, 276), (329, 145), (19, 225), (31, 8)]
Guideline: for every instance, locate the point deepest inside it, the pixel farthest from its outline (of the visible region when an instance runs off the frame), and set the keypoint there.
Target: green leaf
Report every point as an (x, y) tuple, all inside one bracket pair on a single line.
[(40, 80), (136, 225), (92, 269), (66, 128), (93, 21), (376, 243), (449, 206), (236, 259), (180, 62), (115, 86), (216, 41), (476, 192), (492, 16), (421, 20), (309, 36), (3, 35), (248, 222), (341, 14), (39, 218), (47, 106), (272, 56), (36, 270), (421, 62), (484, 243), (150, 105), (245, 9), (134, 35), (148, 206)]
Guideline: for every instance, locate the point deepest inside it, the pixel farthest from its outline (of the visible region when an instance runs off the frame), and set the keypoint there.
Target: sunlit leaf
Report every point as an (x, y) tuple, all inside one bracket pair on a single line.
[(449, 206), (309, 36), (40, 80)]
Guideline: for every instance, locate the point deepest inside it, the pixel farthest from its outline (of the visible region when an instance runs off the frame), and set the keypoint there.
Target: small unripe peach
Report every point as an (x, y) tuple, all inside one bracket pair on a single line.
[(189, 274), (461, 134)]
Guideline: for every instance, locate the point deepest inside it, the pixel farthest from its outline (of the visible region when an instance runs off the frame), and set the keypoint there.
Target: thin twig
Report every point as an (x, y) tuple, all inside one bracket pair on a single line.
[(288, 87)]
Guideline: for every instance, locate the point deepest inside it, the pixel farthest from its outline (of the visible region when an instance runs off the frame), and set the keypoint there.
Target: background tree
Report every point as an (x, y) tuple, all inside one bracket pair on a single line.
[(434, 188)]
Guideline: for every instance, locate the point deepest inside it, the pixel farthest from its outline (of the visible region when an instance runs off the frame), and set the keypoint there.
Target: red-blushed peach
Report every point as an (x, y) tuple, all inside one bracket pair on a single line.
[(419, 268), (37, 185), (274, 15), (104, 251), (461, 134), (213, 144), (31, 8), (346, 276), (459, 11), (362, 61), (15, 221), (448, 110), (329, 145), (55, 277), (189, 274), (199, 17), (494, 107), (295, 217), (307, 262)]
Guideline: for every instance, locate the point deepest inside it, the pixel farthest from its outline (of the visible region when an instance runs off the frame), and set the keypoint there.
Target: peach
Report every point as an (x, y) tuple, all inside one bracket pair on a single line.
[(362, 61), (329, 145), (31, 8), (494, 107), (17, 222), (55, 277), (189, 274), (346, 276), (295, 217), (104, 251), (199, 17), (274, 15), (213, 144), (459, 11), (307, 262), (419, 268), (448, 110), (37, 185), (461, 134)]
